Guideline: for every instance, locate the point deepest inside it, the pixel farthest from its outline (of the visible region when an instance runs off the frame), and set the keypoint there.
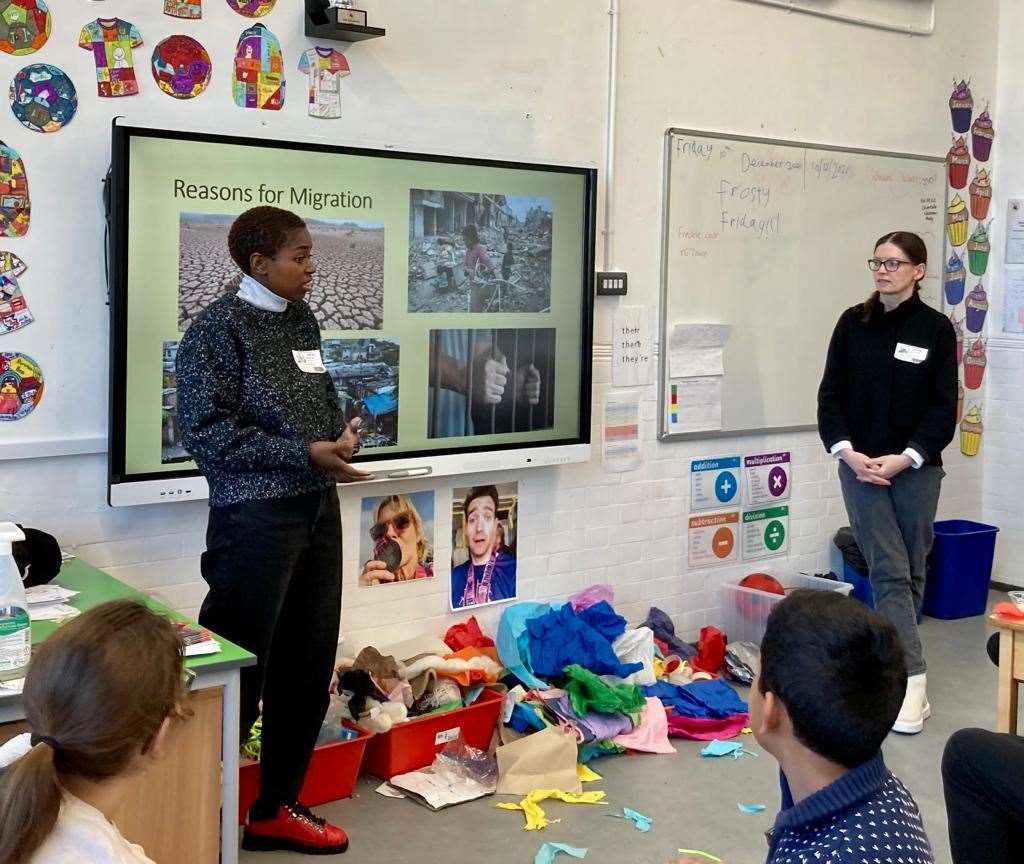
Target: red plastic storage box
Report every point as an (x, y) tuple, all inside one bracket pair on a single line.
[(414, 744), (331, 775)]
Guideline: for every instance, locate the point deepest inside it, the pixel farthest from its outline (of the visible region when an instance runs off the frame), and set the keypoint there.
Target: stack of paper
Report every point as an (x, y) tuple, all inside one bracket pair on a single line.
[(198, 641), (12, 687), (49, 603)]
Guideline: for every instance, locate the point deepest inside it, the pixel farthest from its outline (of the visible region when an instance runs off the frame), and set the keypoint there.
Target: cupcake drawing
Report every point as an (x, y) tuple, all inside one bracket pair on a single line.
[(982, 134), (957, 218), (959, 402), (959, 162), (958, 329), (977, 309), (954, 280), (978, 249), (970, 432), (974, 365), (981, 194), (961, 106)]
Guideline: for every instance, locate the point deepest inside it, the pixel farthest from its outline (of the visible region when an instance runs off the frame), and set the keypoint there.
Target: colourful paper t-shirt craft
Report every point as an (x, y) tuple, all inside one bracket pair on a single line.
[(15, 208), (14, 311), (259, 70), (325, 68), (24, 26), (184, 8), (111, 41)]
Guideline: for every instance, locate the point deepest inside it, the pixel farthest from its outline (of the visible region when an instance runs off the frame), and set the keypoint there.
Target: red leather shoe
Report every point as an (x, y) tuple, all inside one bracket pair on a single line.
[(294, 829)]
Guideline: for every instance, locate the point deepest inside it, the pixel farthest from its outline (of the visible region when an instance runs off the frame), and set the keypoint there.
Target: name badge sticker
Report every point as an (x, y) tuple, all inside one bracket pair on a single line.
[(910, 353), (309, 361)]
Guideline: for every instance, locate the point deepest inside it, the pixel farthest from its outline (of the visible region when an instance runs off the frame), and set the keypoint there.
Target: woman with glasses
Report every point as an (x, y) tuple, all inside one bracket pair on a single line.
[(886, 411), (397, 521), (99, 718)]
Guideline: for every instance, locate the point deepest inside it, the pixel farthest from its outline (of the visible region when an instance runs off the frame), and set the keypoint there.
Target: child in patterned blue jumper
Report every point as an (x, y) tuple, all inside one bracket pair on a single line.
[(832, 681)]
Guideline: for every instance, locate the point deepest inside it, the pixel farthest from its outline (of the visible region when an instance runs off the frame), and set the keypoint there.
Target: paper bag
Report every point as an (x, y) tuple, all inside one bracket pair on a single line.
[(544, 760)]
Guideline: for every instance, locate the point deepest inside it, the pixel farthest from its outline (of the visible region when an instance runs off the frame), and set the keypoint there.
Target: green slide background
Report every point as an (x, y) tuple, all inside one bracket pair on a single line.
[(153, 269)]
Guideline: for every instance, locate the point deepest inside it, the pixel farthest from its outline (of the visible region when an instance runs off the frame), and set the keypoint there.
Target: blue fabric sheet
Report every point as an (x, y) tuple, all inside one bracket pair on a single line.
[(713, 700), (562, 638)]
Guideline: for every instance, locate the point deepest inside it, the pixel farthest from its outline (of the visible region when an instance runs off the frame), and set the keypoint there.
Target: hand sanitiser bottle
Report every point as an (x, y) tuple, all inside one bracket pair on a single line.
[(15, 627)]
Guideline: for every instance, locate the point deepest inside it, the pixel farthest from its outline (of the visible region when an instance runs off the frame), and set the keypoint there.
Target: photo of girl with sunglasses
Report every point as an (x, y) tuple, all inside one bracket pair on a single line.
[(397, 539)]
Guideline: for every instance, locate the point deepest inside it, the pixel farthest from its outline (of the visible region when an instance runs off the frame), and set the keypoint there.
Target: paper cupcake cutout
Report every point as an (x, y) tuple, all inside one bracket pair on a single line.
[(970, 431), (954, 279), (978, 249), (974, 365), (977, 309), (982, 134), (258, 8), (15, 208), (21, 386), (191, 9), (981, 194), (957, 218), (24, 26), (181, 67), (958, 329), (43, 98), (959, 162), (14, 311), (961, 106), (259, 70)]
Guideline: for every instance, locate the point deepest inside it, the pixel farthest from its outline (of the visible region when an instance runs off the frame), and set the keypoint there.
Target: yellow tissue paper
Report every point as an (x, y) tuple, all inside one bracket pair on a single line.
[(535, 818), (587, 774)]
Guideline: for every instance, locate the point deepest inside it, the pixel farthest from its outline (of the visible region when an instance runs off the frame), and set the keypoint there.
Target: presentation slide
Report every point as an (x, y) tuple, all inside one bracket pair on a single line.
[(449, 294)]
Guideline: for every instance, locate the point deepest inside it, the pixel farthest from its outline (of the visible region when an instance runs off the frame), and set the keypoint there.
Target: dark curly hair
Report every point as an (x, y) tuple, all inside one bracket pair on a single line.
[(263, 230)]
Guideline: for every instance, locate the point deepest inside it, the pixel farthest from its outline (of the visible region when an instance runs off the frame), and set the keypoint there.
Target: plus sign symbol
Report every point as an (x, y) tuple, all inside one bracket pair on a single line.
[(777, 481), (774, 535), (726, 486)]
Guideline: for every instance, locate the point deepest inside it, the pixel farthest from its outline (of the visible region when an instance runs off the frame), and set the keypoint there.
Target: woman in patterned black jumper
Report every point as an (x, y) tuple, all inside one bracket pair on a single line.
[(260, 416)]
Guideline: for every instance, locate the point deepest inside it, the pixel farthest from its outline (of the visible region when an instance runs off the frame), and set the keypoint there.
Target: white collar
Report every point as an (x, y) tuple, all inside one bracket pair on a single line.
[(256, 294)]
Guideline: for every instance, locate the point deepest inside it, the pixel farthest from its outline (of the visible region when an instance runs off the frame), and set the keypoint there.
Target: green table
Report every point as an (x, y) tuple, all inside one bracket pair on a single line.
[(212, 670)]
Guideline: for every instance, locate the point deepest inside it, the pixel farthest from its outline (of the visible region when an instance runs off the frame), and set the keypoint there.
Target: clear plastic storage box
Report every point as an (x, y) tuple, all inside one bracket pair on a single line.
[(745, 611)]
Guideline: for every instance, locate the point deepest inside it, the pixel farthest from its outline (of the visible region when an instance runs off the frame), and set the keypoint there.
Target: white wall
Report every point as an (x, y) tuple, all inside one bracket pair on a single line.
[(521, 80), (1003, 442)]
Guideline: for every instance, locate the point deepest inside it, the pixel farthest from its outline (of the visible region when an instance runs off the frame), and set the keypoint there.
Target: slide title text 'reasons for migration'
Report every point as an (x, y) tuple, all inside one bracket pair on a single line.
[(263, 194)]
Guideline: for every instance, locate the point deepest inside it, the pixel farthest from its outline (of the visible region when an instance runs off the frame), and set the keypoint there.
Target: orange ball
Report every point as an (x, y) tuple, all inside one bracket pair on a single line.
[(763, 582)]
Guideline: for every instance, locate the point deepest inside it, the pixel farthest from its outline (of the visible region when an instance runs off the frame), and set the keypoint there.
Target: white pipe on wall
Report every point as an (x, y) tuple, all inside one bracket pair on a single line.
[(609, 166)]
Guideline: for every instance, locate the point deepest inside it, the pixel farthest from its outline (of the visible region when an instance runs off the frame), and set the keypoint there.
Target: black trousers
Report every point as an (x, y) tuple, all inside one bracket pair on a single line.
[(274, 571), (981, 776)]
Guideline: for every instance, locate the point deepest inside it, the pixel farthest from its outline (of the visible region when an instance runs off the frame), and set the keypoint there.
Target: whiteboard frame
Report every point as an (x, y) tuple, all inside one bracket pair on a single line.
[(666, 192)]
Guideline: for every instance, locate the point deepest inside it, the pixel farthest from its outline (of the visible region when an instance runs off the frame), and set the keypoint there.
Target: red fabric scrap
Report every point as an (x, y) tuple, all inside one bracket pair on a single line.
[(710, 651), (467, 635), (706, 729)]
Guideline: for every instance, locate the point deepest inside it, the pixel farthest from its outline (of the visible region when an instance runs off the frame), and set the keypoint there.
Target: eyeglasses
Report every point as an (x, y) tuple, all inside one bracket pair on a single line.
[(890, 264), (401, 522)]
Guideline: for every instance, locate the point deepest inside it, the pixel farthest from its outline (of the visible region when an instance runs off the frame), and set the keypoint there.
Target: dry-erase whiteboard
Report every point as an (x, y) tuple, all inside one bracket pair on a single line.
[(772, 238)]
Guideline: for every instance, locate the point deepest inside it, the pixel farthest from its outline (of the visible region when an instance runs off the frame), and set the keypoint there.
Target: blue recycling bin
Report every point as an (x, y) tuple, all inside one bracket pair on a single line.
[(862, 587), (861, 584), (959, 569)]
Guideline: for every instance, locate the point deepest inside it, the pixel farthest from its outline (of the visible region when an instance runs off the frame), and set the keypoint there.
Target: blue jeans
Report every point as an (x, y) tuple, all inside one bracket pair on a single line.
[(895, 526)]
